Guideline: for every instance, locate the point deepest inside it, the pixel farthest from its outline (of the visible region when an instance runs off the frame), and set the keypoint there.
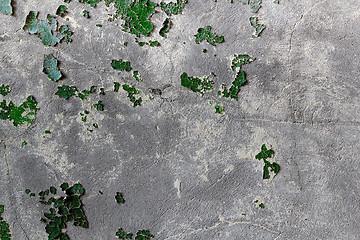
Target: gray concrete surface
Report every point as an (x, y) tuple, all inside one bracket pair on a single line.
[(185, 172)]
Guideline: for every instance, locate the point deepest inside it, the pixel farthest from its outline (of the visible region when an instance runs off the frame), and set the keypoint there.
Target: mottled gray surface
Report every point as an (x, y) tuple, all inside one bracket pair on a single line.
[(186, 172)]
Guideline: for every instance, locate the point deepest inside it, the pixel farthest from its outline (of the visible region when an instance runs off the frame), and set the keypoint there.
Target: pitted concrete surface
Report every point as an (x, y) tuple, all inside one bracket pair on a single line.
[(186, 172)]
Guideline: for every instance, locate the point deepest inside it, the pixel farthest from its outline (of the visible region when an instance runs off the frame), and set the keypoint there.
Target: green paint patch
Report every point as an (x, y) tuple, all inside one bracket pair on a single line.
[(264, 154), (5, 7), (66, 91), (219, 109), (119, 198), (150, 43), (144, 235), (135, 14), (165, 27), (140, 235), (84, 116), (47, 30), (61, 11), (24, 143), (51, 67), (99, 106), (137, 76), (4, 227), (5, 90), (63, 209), (237, 62), (86, 14), (258, 27), (25, 113), (102, 91), (92, 89), (196, 84), (206, 34), (235, 87), (116, 86), (121, 65), (172, 8), (121, 234), (132, 91), (83, 95), (47, 132), (255, 5)]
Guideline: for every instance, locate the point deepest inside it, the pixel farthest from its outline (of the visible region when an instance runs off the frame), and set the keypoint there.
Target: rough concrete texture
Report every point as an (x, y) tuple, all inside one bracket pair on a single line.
[(186, 172)]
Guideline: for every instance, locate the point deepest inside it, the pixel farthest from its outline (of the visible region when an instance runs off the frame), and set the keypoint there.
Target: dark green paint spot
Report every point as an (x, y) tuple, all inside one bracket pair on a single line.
[(206, 34)]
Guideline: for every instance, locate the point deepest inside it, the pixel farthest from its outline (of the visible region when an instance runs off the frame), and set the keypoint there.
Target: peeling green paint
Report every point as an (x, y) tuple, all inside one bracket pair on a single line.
[(132, 91), (172, 8), (135, 14), (66, 91), (5, 90), (47, 30), (25, 113), (258, 27), (4, 226), (206, 34), (51, 67), (264, 154), (196, 84), (63, 209), (121, 65), (165, 27), (5, 7)]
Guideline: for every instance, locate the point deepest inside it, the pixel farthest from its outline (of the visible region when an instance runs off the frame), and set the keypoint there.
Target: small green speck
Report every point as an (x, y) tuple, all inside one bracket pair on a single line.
[(24, 143), (98, 25), (102, 91), (93, 89), (119, 198), (27, 191), (47, 131), (100, 192), (86, 14), (116, 86), (219, 109)]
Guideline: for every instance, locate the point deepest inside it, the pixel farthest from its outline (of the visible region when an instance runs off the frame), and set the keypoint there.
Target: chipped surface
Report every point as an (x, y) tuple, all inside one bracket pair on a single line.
[(186, 172)]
